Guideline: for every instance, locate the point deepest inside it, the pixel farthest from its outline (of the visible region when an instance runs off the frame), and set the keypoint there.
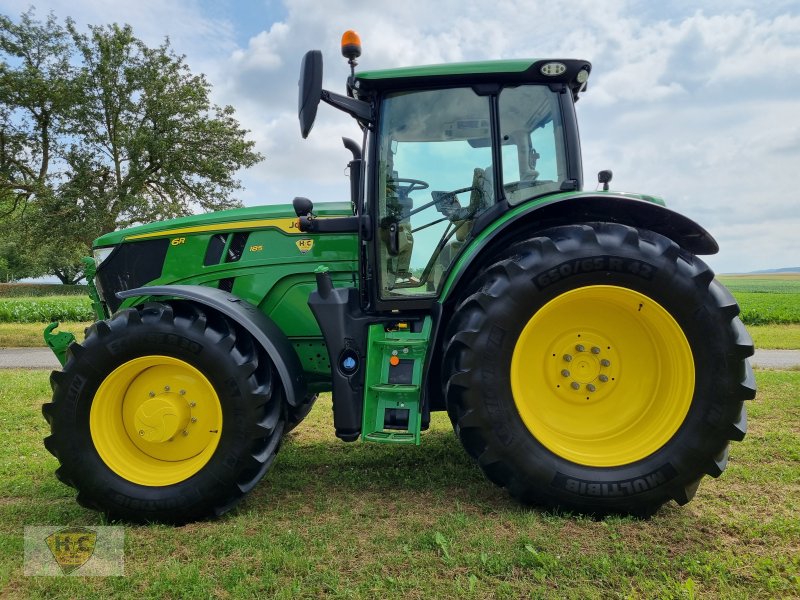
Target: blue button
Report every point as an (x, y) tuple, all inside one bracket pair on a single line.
[(349, 363)]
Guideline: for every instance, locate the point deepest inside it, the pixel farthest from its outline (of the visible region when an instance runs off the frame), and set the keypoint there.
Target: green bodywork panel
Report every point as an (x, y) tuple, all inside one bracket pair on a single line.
[(275, 271), (381, 393), (228, 218), (465, 68)]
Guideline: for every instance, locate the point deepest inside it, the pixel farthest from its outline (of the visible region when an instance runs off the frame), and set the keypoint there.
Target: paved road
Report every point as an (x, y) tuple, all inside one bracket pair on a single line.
[(43, 358)]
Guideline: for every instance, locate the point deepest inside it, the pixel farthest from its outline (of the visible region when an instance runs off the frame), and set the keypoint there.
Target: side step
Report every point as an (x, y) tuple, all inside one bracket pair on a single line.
[(395, 359)]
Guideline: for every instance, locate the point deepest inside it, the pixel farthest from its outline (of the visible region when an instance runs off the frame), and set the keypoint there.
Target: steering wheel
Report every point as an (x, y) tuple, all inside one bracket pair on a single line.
[(413, 185)]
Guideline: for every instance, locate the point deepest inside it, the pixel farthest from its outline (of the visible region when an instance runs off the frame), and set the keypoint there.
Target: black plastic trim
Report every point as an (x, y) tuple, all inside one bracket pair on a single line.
[(130, 265), (260, 326), (572, 140)]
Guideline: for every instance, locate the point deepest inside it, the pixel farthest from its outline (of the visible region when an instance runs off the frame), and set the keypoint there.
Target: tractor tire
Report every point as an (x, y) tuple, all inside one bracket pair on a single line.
[(599, 369), (165, 413)]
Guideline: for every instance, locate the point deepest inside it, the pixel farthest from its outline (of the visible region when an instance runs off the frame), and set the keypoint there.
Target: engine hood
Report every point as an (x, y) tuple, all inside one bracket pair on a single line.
[(226, 218)]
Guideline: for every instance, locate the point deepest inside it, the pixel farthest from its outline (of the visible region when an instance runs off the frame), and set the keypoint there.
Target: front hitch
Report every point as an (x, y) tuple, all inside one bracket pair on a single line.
[(58, 342)]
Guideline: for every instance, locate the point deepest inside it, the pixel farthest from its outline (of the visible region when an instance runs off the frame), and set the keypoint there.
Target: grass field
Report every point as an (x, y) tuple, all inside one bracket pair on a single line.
[(339, 520)]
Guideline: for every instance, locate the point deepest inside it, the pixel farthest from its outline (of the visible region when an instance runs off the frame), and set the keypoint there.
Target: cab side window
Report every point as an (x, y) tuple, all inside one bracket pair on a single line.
[(435, 178)]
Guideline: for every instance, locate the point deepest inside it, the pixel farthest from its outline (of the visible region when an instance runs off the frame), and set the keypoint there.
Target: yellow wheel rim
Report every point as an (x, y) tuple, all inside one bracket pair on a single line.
[(602, 376), (156, 420)]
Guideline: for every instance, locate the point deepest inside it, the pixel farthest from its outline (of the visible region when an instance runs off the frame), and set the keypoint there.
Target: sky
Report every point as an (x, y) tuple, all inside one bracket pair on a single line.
[(696, 102)]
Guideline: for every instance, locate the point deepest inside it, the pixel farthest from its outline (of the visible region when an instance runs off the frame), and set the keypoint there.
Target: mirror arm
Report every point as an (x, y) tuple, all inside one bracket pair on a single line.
[(356, 108)]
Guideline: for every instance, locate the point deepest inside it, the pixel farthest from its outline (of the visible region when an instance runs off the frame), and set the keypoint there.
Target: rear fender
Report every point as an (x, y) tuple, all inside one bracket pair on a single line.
[(261, 327), (522, 222)]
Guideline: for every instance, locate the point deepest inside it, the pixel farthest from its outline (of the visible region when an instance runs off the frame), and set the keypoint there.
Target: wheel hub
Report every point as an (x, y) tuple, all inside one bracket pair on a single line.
[(583, 366), (159, 419)]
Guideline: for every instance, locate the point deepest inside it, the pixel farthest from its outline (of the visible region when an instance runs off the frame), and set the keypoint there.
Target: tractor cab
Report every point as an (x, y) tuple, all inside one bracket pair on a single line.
[(448, 150)]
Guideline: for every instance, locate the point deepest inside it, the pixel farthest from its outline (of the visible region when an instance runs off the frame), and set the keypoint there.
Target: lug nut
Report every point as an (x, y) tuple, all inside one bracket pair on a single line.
[(591, 387), (605, 362), (141, 432), (565, 373), (580, 347), (595, 350), (575, 385), (194, 419), (192, 404), (182, 392), (152, 394), (567, 357), (185, 433), (166, 388), (603, 378)]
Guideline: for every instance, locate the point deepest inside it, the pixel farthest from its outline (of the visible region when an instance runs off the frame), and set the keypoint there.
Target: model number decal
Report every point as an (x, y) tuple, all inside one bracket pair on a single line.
[(258, 248), (178, 241)]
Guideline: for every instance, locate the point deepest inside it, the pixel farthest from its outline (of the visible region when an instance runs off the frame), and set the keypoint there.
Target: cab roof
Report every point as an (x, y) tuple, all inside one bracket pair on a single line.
[(513, 72)]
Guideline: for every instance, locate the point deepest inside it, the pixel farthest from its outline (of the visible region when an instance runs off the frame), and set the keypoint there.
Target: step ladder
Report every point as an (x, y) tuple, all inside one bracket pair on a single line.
[(393, 386)]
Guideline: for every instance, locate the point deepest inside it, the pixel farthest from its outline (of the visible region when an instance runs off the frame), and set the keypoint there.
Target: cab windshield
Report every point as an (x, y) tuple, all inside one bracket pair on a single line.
[(436, 173)]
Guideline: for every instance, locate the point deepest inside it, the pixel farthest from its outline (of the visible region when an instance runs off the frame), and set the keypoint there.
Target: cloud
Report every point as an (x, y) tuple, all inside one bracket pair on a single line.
[(693, 102)]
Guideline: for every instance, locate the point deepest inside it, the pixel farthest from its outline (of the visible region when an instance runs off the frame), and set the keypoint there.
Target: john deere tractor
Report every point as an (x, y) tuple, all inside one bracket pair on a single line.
[(586, 356)]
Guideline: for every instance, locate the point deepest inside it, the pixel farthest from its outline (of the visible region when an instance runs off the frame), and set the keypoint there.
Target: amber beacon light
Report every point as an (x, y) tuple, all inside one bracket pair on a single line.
[(351, 45)]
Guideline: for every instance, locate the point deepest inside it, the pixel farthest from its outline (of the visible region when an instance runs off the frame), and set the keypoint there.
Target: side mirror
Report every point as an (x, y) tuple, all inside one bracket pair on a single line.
[(310, 92), (604, 177)]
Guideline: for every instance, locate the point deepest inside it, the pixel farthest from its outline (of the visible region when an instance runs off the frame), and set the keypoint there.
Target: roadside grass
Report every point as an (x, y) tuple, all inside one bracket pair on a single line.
[(30, 335), (772, 337), (376, 521)]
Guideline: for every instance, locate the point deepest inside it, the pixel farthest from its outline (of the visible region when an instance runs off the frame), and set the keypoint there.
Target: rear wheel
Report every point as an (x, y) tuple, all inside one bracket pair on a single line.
[(598, 368), (165, 413)]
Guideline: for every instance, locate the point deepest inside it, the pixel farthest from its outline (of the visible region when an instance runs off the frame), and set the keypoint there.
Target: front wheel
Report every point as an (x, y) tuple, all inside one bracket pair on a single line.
[(165, 413), (598, 368)]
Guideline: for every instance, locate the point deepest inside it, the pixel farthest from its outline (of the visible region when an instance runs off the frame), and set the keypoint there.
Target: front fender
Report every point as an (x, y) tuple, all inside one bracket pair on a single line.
[(261, 327)]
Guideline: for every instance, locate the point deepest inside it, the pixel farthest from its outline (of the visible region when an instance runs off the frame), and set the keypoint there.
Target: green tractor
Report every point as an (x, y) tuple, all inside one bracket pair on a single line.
[(586, 356)]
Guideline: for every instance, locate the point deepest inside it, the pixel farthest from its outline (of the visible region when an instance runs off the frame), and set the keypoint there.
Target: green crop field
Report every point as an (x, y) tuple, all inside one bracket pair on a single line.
[(338, 520), (766, 299), (45, 308)]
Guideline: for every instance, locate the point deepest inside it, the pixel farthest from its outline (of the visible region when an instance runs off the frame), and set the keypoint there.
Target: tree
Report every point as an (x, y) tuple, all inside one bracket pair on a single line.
[(98, 131)]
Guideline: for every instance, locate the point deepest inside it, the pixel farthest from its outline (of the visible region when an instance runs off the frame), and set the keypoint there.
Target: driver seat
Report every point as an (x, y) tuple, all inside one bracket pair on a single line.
[(480, 198)]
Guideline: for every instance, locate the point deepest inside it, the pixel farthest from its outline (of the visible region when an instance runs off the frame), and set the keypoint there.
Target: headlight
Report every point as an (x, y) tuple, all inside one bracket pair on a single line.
[(100, 254)]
